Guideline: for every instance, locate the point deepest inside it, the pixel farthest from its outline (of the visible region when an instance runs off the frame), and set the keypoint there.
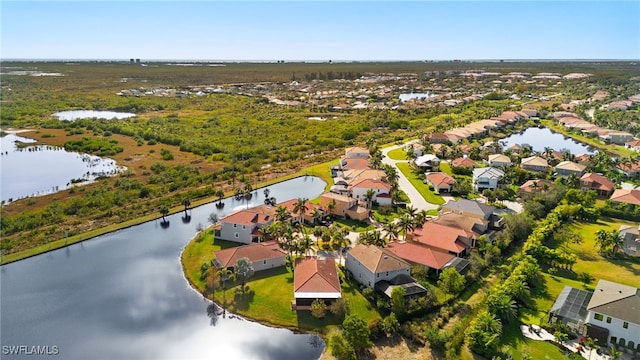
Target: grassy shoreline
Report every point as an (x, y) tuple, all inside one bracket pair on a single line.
[(315, 170)]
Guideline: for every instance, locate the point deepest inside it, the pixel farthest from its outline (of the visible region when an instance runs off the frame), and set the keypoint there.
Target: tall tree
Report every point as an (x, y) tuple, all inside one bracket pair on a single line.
[(244, 271), (405, 224), (356, 331), (186, 202), (301, 208), (164, 211), (369, 197)]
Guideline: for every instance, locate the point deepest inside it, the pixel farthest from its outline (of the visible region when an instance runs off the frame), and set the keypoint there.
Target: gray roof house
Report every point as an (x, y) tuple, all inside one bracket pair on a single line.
[(616, 308), (486, 178), (473, 209)]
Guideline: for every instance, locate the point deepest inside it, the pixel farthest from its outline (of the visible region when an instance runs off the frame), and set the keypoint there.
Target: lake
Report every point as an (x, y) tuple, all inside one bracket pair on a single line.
[(539, 138), (123, 295), (35, 170), (416, 96), (71, 115)]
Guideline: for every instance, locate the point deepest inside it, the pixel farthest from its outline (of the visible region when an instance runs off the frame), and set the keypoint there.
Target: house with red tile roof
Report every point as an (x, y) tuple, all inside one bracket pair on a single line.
[(627, 196), (381, 191), (343, 206), (243, 226), (537, 186), (440, 181), (463, 162), (437, 138), (597, 182), (633, 145), (307, 217), (265, 255), (416, 253), (444, 238), (631, 169), (315, 279)]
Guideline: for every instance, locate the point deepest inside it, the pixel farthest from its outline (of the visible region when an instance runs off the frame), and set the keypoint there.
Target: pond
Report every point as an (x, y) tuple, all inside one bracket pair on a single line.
[(71, 115), (36, 169), (539, 138), (124, 296), (416, 96)]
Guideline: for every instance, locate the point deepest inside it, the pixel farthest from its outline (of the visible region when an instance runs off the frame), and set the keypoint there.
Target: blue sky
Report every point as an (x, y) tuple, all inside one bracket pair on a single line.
[(320, 30)]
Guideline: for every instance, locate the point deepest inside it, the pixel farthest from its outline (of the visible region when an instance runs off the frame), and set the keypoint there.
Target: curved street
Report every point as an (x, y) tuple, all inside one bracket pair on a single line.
[(417, 201)]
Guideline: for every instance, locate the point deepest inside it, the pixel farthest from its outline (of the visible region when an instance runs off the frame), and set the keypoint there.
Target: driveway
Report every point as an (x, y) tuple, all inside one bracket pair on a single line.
[(417, 201)]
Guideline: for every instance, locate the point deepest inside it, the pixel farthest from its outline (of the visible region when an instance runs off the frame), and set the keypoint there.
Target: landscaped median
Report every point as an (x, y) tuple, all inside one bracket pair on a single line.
[(269, 294), (420, 186)]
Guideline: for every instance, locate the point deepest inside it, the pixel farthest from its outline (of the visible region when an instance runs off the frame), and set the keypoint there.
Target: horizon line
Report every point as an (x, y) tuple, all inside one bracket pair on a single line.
[(315, 61)]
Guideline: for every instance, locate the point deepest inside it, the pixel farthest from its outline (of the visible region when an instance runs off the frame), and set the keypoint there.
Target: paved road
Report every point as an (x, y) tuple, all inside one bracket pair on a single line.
[(417, 201)]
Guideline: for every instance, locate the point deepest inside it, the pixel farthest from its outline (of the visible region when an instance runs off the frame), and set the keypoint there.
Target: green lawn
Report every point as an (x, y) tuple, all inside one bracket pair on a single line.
[(624, 271), (270, 292), (445, 167), (397, 154), (422, 188)]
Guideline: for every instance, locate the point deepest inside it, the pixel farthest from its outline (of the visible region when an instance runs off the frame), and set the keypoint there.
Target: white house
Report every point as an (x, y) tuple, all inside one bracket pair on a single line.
[(486, 178), (381, 191), (616, 308), (427, 162), (370, 264)]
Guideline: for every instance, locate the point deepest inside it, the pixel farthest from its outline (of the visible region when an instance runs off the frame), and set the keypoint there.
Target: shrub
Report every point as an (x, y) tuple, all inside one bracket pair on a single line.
[(318, 308)]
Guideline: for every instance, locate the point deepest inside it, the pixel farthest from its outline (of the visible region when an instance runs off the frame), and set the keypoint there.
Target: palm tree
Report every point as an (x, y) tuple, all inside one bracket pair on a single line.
[(300, 208), (405, 224), (186, 202), (164, 211), (391, 230), (317, 215), (306, 244), (282, 214), (331, 206), (420, 218), (225, 274), (369, 196), (391, 173)]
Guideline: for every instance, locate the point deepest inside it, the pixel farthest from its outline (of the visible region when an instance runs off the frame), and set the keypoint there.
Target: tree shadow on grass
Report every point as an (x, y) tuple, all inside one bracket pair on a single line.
[(242, 299)]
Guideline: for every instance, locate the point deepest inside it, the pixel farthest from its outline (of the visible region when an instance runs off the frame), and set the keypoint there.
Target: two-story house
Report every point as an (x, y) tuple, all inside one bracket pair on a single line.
[(474, 209), (486, 178), (616, 308), (343, 206), (369, 264), (597, 182), (381, 191), (244, 225)]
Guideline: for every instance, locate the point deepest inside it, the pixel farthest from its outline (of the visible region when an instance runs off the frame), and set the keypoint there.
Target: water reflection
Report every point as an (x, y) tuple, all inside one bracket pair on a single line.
[(71, 115), (539, 138), (124, 296), (36, 169)]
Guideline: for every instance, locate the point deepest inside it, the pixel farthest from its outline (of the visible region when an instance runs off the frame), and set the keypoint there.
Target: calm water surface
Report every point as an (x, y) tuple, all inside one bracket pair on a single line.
[(71, 115), (539, 138), (416, 96), (42, 169), (124, 296)]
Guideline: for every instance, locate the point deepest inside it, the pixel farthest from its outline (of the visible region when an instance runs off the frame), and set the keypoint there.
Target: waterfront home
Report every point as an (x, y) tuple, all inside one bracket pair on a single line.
[(343, 206), (499, 160), (616, 137), (567, 168), (243, 226), (263, 256), (381, 191), (315, 279), (440, 181), (486, 178), (427, 162), (534, 164), (369, 264), (473, 209), (308, 216), (631, 236), (626, 196), (597, 182)]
